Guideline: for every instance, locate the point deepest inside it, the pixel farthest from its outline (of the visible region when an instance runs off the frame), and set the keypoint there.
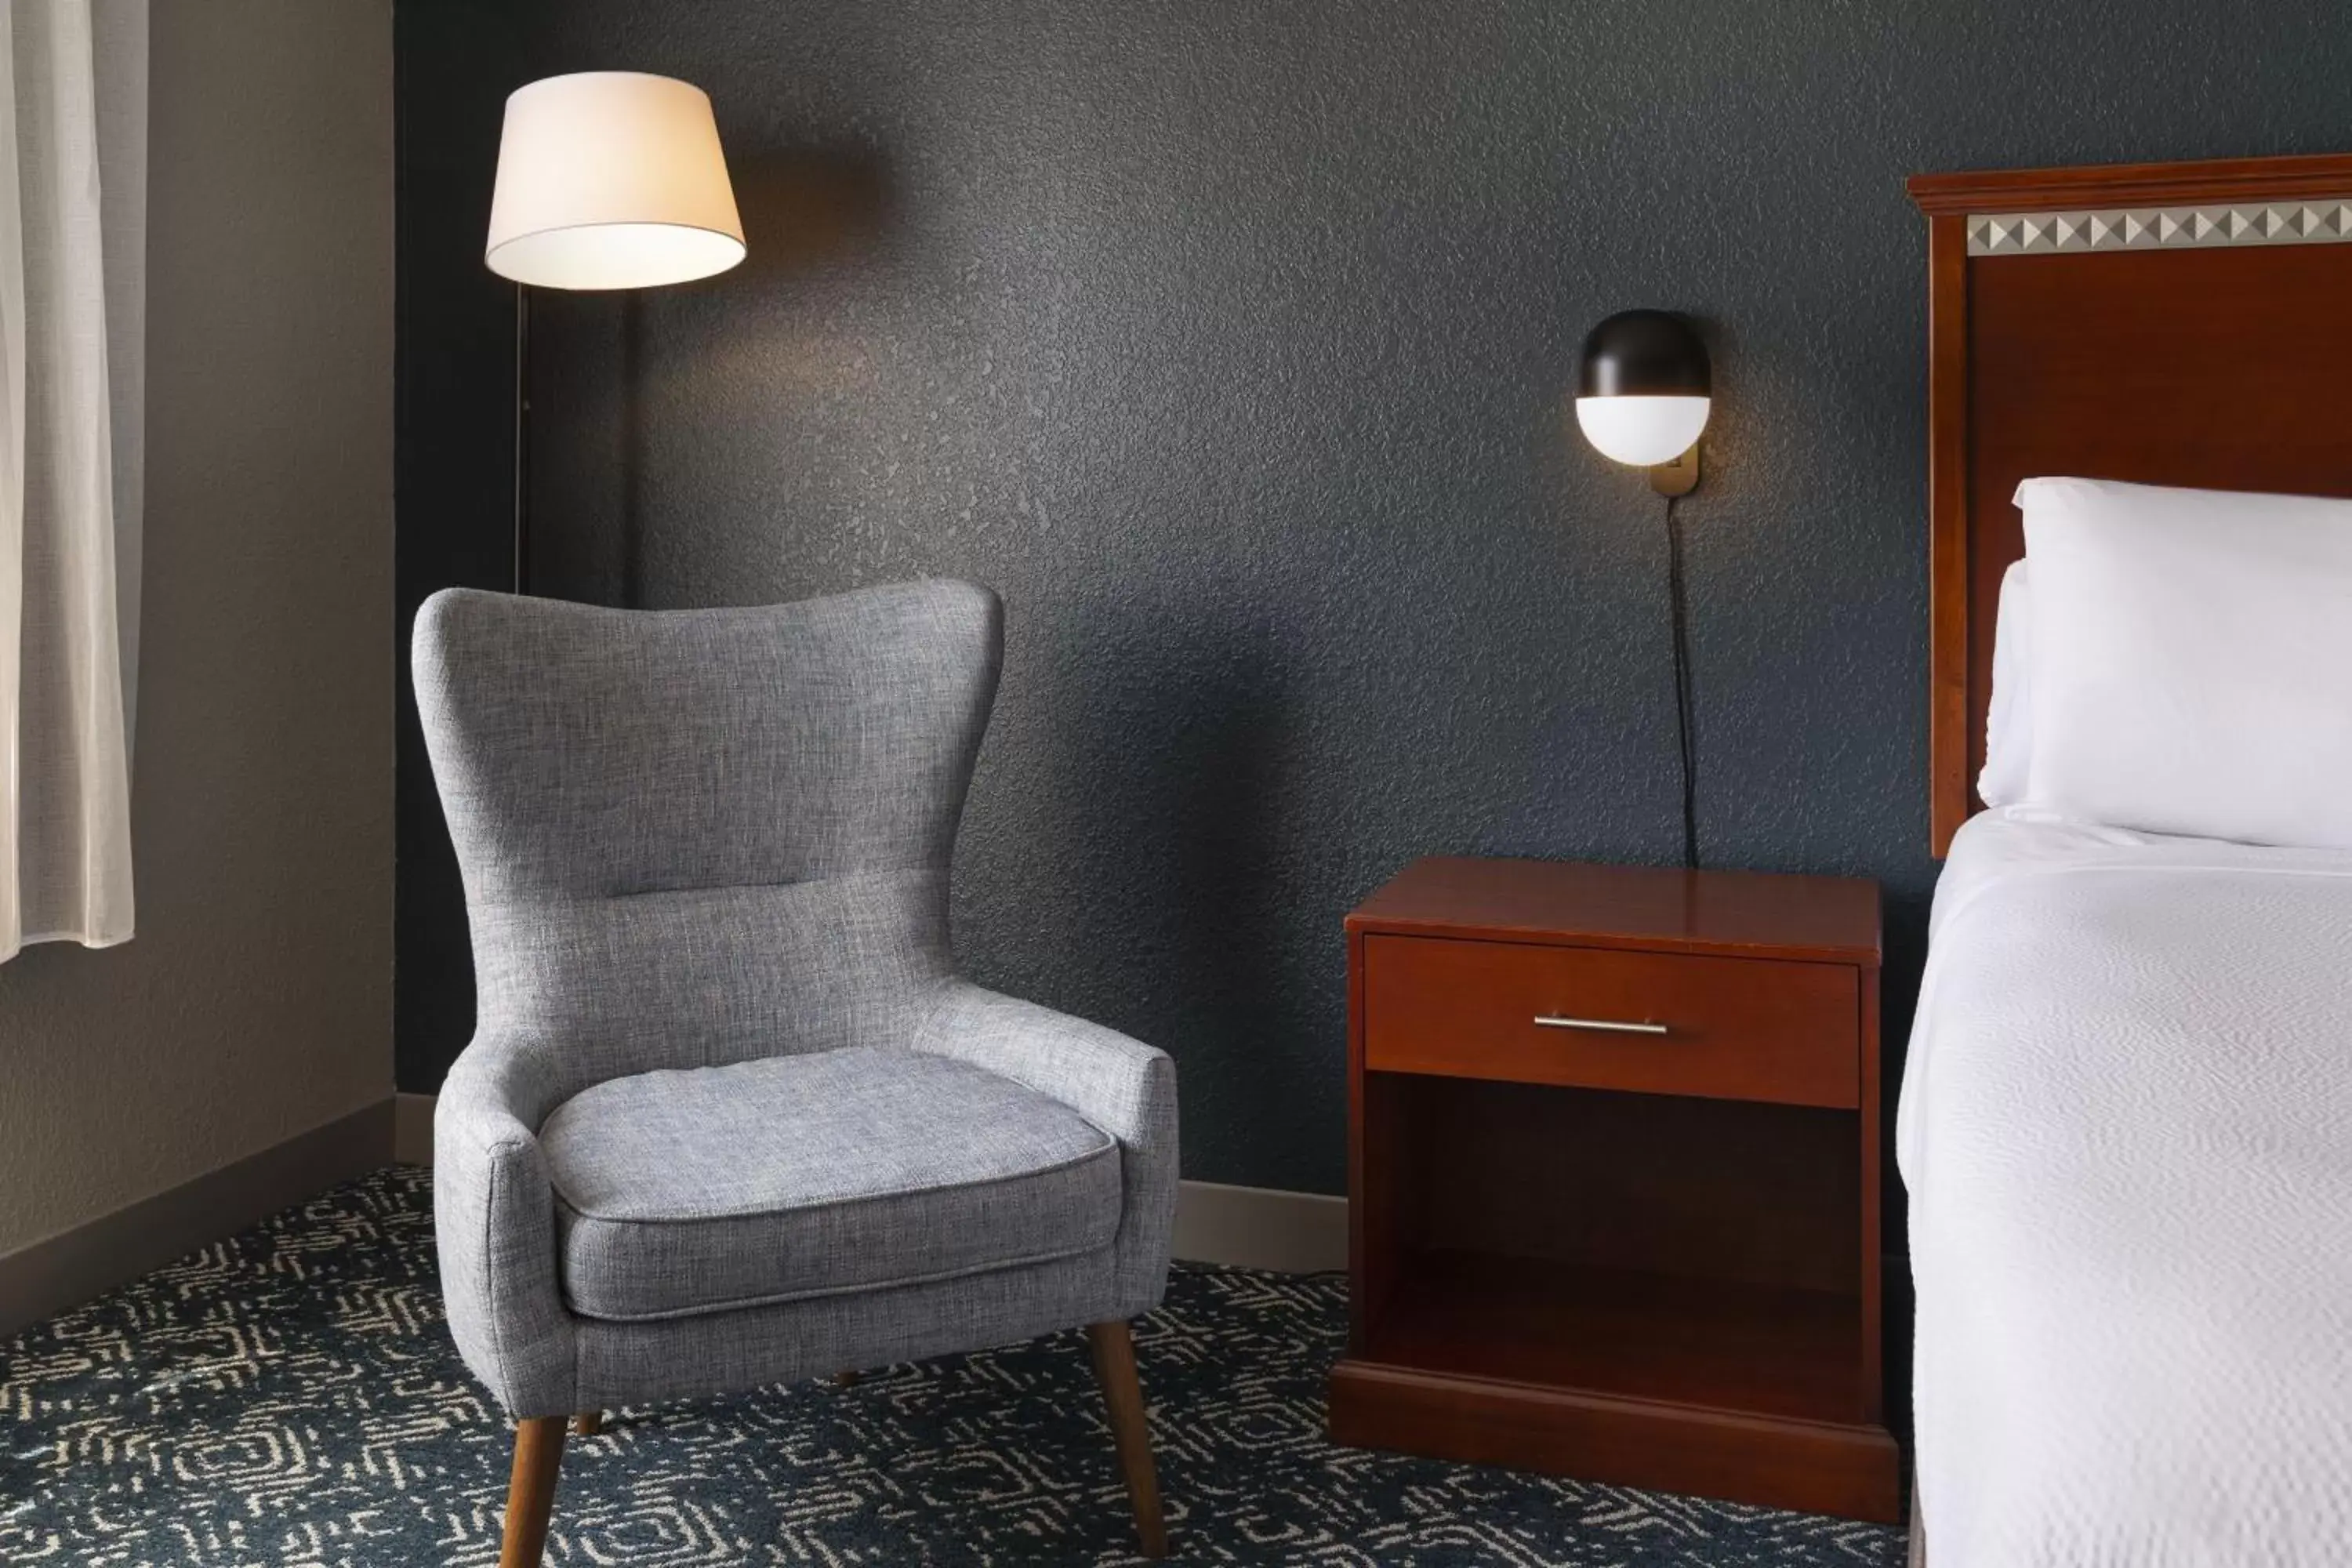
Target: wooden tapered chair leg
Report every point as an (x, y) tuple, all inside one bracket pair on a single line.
[(531, 1494), (587, 1423), (1115, 1370)]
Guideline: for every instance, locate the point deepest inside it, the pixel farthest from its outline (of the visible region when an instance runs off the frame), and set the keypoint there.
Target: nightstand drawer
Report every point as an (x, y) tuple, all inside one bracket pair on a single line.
[(1729, 1028)]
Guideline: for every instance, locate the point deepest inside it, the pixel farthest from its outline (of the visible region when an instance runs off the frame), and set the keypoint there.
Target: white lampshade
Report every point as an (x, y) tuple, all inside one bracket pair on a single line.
[(1641, 431), (612, 180)]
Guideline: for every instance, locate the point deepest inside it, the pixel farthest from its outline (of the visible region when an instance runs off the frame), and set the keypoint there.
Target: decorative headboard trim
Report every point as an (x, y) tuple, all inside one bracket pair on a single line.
[(2136, 369), (2160, 228)]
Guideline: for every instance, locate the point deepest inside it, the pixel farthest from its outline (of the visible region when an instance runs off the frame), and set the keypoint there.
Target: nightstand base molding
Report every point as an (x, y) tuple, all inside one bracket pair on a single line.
[(1811, 1466)]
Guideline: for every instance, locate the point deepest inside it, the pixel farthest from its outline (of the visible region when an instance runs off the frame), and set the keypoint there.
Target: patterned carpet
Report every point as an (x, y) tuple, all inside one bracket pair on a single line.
[(290, 1399)]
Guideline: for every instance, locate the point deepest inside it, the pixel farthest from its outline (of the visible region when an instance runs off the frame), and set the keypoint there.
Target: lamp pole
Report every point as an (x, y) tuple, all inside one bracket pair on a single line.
[(522, 439)]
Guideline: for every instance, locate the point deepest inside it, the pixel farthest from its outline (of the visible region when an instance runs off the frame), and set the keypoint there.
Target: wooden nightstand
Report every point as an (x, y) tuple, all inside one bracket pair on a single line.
[(1613, 1179)]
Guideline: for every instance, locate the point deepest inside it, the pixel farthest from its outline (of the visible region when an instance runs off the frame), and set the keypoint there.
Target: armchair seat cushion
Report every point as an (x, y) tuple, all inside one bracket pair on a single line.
[(681, 1192)]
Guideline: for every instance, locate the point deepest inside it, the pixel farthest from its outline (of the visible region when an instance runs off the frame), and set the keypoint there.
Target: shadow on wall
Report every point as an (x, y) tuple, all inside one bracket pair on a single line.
[(1225, 789), (596, 356), (1159, 752), (805, 210)]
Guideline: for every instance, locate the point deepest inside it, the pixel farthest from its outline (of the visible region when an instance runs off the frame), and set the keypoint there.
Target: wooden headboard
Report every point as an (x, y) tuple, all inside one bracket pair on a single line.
[(2170, 323)]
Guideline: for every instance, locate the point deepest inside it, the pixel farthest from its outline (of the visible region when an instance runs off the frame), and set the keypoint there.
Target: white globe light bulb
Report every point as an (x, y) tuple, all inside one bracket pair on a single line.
[(1643, 431)]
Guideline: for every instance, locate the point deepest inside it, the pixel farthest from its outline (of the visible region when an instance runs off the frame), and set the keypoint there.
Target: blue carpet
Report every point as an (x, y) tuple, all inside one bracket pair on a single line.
[(290, 1397)]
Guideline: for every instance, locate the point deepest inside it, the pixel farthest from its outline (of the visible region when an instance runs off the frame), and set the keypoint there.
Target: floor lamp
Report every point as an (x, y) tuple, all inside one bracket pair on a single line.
[(606, 179)]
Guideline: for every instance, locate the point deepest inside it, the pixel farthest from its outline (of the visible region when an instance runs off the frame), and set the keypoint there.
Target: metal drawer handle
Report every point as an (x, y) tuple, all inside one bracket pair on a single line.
[(1598, 1026)]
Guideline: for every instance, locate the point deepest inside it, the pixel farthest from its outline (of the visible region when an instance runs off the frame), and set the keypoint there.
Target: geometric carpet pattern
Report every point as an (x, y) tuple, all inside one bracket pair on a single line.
[(290, 1397)]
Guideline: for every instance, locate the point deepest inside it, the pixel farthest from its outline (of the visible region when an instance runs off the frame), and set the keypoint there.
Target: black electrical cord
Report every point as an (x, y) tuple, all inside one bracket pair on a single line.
[(1680, 609)]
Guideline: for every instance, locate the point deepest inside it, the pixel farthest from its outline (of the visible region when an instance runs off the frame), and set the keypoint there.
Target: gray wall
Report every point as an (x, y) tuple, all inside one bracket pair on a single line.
[(255, 1003), (1231, 343)]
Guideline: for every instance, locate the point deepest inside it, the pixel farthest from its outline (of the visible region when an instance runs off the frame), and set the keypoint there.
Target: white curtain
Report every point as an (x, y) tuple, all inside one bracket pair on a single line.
[(73, 135)]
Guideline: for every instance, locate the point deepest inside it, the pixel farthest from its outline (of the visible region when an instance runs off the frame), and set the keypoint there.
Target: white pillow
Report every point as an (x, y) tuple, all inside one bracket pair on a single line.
[(2191, 660), (2009, 717)]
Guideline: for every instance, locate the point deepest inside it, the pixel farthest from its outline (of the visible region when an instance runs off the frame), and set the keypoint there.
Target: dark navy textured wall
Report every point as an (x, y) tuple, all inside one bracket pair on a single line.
[(1231, 343)]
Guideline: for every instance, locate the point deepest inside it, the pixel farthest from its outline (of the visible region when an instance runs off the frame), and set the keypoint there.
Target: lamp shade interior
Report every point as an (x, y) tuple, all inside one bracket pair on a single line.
[(612, 180), (615, 256), (1642, 430)]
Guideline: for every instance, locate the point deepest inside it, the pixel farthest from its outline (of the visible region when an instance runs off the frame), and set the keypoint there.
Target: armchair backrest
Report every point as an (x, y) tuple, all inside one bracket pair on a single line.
[(696, 836)]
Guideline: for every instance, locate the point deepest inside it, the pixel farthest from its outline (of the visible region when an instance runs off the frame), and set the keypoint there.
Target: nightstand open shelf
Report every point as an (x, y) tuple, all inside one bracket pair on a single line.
[(1615, 1179), (1720, 1344)]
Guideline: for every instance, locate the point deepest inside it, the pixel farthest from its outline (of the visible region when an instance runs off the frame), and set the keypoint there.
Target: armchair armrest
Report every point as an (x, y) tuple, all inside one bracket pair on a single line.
[(1122, 1086), (494, 1219)]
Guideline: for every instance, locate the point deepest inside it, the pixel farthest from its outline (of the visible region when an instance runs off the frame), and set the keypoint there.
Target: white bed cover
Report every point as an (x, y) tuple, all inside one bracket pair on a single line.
[(2127, 1129)]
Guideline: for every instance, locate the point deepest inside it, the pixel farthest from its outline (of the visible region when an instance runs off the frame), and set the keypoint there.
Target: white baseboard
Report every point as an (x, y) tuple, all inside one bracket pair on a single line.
[(1248, 1227), (1261, 1227)]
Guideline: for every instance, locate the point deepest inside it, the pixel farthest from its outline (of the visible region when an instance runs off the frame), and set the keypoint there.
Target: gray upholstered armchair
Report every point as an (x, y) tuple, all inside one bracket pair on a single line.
[(730, 1119)]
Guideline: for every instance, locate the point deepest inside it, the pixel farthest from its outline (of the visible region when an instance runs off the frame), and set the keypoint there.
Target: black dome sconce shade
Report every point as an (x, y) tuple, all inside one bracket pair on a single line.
[(1642, 393)]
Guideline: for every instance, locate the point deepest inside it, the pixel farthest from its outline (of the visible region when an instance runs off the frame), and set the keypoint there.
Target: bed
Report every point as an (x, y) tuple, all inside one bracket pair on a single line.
[(2127, 1129), (2125, 1117)]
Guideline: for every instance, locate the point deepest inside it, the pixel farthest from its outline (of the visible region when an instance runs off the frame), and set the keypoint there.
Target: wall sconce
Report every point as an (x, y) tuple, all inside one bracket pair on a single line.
[(1642, 394), (1642, 398)]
